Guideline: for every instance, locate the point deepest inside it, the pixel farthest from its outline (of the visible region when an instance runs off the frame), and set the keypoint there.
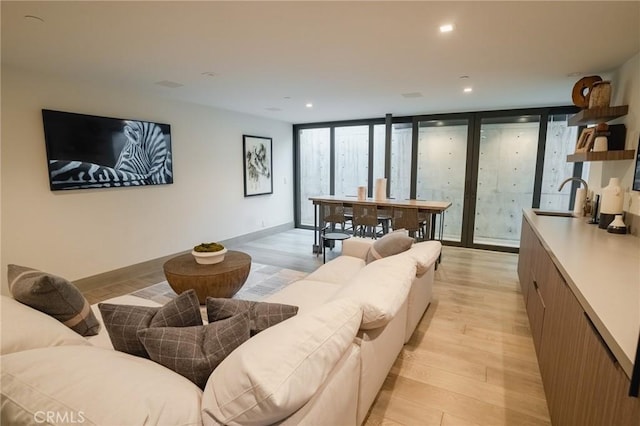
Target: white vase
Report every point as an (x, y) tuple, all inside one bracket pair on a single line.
[(362, 193), (612, 197), (380, 192)]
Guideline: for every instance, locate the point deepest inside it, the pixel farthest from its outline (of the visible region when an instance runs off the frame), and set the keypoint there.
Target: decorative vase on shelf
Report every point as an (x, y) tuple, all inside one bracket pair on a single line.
[(611, 204), (600, 144), (617, 226), (600, 95)]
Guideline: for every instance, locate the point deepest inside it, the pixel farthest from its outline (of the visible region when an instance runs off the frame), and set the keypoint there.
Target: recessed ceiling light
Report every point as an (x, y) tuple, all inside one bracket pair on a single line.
[(468, 90), (446, 28), (464, 77), (287, 97), (33, 18), (309, 105), (209, 73)]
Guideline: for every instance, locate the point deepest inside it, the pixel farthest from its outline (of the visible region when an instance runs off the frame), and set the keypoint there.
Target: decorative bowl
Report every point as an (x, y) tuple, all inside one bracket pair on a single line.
[(209, 258)]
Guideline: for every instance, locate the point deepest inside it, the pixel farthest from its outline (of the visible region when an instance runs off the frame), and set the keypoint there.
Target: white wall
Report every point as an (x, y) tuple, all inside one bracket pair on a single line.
[(626, 91), (81, 233)]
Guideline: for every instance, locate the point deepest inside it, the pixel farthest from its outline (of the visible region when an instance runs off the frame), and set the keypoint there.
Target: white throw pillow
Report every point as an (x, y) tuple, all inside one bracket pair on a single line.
[(91, 385), (276, 372), (380, 288), (25, 328)]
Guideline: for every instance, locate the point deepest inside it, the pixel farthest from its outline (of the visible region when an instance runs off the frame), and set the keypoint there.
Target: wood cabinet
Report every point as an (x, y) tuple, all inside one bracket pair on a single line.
[(527, 238), (583, 382)]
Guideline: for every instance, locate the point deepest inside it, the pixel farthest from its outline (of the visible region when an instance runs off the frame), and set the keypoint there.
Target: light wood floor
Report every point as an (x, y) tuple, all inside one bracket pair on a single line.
[(471, 360)]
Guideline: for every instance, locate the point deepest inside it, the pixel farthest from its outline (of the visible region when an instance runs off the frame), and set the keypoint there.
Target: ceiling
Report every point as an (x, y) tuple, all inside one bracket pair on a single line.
[(350, 59)]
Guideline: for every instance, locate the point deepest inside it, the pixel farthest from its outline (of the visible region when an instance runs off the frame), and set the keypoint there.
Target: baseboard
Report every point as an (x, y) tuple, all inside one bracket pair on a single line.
[(154, 265), (242, 239)]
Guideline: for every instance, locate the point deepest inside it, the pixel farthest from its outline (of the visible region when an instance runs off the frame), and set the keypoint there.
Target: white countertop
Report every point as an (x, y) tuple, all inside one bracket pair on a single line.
[(603, 270)]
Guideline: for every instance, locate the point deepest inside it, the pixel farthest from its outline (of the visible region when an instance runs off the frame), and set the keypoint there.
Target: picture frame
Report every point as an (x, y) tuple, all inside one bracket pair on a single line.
[(585, 141), (258, 165)]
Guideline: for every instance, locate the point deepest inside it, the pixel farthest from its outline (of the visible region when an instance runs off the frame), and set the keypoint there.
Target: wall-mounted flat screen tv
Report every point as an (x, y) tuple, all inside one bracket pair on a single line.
[(86, 151)]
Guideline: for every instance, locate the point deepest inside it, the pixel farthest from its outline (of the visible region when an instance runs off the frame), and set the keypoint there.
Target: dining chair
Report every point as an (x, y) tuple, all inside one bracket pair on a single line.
[(332, 215), (425, 220), (385, 215), (407, 218), (365, 220)]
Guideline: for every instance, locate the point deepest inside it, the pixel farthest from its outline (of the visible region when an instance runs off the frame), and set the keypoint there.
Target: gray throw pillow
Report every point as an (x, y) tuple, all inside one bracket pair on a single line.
[(54, 296), (393, 243), (195, 352), (124, 321), (262, 315)]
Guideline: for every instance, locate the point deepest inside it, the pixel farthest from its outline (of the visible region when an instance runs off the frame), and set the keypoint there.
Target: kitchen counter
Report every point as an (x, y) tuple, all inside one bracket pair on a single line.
[(603, 271)]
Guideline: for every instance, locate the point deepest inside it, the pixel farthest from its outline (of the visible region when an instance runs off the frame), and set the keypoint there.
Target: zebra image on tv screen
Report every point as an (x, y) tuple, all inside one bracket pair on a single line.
[(98, 152)]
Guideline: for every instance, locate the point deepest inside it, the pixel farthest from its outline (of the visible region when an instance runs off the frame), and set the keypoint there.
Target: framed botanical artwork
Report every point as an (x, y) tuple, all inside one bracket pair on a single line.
[(258, 165), (585, 141)]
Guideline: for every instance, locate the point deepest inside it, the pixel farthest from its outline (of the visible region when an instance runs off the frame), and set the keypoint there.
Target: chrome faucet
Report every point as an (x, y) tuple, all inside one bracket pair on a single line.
[(585, 208), (586, 187)]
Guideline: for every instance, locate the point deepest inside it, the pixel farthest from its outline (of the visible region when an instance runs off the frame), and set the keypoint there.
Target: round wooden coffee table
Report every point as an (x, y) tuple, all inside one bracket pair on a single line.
[(222, 279)]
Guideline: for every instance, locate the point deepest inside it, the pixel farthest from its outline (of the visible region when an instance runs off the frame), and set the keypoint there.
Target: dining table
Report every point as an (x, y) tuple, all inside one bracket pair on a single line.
[(432, 208)]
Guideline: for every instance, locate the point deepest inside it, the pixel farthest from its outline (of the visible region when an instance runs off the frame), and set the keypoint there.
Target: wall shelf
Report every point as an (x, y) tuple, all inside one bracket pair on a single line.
[(578, 157), (598, 115)]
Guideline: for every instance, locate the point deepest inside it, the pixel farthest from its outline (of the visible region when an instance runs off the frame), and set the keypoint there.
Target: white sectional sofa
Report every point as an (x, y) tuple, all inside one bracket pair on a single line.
[(324, 366)]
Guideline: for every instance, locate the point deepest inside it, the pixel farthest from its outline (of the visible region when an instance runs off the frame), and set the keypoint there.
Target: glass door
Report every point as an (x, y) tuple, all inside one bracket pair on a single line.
[(506, 170), (441, 169), (315, 163), (399, 179), (560, 141), (351, 159)]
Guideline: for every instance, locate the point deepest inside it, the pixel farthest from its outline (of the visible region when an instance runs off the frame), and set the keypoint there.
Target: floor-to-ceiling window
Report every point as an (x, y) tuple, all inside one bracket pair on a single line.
[(351, 155), (489, 165), (379, 152), (400, 174), (441, 165), (561, 141), (314, 168), (506, 175)]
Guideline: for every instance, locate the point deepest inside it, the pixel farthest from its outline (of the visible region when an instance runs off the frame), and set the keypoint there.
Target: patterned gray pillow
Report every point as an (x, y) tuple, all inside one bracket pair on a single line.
[(262, 315), (124, 321), (195, 352), (393, 243), (54, 296)]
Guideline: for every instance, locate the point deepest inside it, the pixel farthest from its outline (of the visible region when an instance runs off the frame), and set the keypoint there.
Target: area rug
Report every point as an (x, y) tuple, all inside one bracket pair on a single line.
[(263, 281)]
